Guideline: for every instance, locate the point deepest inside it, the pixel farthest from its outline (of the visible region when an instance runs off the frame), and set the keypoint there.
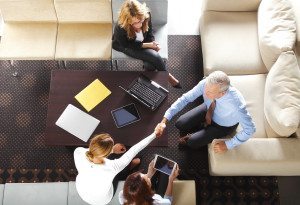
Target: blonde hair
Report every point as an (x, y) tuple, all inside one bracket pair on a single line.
[(100, 146), (129, 10)]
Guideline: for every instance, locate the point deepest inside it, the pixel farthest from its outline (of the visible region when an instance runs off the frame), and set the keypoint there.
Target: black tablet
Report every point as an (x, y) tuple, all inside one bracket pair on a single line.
[(125, 115)]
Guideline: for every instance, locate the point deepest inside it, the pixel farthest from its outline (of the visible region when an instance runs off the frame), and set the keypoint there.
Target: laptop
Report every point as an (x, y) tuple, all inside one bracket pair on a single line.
[(77, 122), (147, 92)]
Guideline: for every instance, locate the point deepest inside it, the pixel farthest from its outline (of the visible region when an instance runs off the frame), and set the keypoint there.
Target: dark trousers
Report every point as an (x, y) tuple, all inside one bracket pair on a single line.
[(151, 58), (192, 123)]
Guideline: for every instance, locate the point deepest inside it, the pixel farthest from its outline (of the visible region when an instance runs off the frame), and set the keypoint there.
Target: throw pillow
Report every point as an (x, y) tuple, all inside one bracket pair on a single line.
[(282, 95), (276, 29)]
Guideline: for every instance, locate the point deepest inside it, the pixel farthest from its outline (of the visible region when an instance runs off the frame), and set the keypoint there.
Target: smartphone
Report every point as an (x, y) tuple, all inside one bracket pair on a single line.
[(164, 164)]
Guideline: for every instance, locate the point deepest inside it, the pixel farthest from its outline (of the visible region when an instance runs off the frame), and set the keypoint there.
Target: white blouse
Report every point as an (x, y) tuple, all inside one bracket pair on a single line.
[(139, 36), (94, 181), (158, 200)]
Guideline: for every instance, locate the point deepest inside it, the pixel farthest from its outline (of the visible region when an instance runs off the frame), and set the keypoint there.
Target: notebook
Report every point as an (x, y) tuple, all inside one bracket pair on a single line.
[(147, 92), (92, 95), (77, 122)]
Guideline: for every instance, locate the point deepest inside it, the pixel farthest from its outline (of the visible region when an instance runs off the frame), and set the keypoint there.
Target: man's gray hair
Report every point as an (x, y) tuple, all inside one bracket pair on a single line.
[(220, 78)]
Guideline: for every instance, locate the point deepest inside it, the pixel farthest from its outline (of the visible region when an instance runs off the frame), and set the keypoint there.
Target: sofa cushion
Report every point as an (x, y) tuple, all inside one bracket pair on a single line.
[(252, 88), (83, 41), (73, 196), (1, 193), (231, 5), (28, 11), (230, 43), (36, 193), (28, 41), (276, 29), (262, 157), (87, 11), (282, 95)]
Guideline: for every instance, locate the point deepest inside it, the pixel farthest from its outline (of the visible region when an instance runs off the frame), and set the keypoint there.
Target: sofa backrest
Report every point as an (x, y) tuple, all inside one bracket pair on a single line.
[(83, 11), (158, 9), (28, 11), (296, 8), (230, 5), (36, 193)]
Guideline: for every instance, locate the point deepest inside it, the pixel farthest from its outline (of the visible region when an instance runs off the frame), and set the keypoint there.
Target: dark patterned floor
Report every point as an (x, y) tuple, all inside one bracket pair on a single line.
[(23, 108)]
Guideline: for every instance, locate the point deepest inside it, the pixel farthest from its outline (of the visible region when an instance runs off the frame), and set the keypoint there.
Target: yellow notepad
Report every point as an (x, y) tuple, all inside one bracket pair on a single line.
[(92, 95)]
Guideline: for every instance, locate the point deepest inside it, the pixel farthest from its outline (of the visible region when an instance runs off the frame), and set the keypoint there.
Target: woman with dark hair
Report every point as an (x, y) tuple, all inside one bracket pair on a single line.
[(137, 189), (133, 36)]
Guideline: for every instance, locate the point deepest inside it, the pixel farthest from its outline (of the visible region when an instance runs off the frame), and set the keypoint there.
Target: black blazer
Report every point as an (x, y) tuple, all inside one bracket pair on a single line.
[(120, 41)]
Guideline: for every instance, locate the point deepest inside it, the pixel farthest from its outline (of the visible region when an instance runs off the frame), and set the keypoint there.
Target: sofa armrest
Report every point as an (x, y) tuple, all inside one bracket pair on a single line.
[(258, 157)]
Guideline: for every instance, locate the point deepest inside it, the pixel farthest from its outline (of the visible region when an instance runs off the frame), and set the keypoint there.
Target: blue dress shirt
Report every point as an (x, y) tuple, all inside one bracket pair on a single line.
[(230, 110)]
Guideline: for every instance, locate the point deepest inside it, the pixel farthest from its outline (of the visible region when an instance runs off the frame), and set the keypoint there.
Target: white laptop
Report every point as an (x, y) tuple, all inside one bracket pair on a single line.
[(77, 122)]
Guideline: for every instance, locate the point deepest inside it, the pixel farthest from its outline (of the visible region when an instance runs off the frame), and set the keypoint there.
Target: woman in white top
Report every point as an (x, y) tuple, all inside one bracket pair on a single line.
[(96, 172), (137, 189)]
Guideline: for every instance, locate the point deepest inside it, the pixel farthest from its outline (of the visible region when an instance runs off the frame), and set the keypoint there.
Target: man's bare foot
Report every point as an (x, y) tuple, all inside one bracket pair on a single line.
[(173, 81), (183, 140)]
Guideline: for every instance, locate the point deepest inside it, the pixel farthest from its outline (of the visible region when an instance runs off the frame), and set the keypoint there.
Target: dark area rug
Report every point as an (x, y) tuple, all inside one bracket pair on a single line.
[(23, 108)]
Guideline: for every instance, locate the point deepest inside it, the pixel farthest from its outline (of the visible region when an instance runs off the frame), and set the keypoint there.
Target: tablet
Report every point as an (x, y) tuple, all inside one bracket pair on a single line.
[(125, 115), (164, 164)]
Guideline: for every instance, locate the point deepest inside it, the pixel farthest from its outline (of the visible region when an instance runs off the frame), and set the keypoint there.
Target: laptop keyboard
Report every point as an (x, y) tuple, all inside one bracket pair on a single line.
[(145, 93)]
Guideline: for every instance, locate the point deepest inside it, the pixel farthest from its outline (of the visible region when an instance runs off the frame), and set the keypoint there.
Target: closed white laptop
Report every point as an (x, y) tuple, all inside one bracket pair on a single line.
[(77, 122)]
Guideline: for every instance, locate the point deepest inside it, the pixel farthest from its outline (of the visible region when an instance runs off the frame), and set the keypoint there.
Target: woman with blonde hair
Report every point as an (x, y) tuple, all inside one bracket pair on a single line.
[(94, 182), (133, 36)]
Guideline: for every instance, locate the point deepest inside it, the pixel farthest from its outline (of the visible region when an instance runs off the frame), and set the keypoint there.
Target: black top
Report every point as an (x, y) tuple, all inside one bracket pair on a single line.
[(120, 40)]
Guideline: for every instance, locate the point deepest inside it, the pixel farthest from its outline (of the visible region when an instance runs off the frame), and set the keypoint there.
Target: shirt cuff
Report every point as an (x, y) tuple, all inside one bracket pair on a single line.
[(229, 144)]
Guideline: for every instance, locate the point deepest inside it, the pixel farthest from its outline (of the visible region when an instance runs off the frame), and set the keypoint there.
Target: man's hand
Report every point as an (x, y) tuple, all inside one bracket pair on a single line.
[(159, 129), (219, 146), (151, 170), (119, 148)]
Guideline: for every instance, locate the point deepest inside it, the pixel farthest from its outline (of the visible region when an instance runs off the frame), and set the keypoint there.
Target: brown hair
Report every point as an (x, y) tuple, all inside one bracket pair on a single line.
[(129, 10), (137, 191), (101, 145)]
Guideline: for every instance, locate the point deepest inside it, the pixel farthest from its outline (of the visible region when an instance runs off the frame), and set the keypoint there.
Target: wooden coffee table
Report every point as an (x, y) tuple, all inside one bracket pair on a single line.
[(65, 84)]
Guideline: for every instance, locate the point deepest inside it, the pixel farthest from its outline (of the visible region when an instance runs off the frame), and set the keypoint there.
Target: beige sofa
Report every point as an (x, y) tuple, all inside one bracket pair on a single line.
[(65, 193), (29, 32), (229, 36), (56, 29)]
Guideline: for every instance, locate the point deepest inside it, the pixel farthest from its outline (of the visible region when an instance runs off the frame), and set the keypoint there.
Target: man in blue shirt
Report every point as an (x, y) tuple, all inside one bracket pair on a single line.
[(223, 109)]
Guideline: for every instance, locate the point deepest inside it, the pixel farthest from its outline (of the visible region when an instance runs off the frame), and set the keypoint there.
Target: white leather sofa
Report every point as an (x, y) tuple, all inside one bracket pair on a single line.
[(56, 29), (64, 193), (84, 29), (29, 31), (229, 37)]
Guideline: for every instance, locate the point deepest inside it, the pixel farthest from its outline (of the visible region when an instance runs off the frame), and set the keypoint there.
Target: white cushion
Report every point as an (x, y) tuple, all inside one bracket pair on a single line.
[(87, 11), (282, 95), (36, 193), (276, 29), (28, 10), (28, 41), (230, 43), (231, 5), (296, 9), (262, 157), (84, 41), (252, 88), (184, 192)]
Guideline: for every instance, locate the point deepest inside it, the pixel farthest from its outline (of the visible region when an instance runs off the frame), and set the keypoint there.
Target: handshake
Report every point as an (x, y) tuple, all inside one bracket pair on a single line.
[(159, 129)]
